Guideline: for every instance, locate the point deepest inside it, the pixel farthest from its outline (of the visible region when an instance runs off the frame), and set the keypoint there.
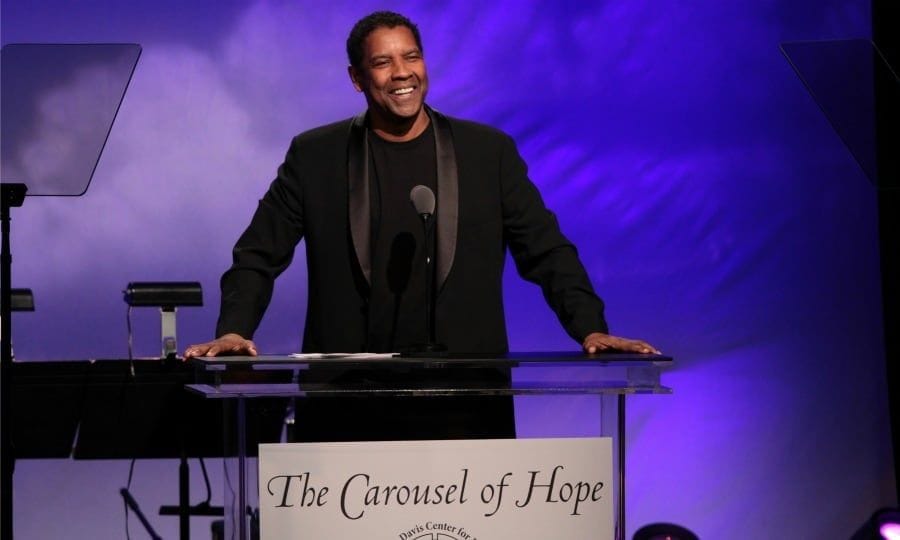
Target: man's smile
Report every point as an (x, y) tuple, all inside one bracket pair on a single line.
[(402, 91)]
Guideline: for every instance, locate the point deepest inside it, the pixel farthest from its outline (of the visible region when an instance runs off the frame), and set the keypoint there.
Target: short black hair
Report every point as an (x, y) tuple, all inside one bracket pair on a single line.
[(372, 22)]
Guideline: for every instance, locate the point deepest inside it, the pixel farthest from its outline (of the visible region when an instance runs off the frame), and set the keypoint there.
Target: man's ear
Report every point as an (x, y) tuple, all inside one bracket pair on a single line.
[(355, 78)]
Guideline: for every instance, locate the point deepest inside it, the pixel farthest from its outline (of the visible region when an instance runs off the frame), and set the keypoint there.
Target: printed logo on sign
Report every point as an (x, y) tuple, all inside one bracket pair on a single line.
[(433, 530)]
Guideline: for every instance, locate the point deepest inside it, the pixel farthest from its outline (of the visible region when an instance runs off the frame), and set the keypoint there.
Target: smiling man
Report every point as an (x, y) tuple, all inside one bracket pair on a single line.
[(390, 70), (345, 189)]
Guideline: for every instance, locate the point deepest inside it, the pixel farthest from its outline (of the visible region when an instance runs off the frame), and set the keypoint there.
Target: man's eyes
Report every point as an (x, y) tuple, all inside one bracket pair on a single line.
[(382, 62)]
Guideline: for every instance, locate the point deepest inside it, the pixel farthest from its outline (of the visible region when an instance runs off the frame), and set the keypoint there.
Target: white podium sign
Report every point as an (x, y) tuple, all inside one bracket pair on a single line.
[(527, 489)]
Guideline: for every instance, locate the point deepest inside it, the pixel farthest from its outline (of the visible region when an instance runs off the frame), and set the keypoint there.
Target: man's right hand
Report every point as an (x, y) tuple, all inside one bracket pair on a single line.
[(228, 344)]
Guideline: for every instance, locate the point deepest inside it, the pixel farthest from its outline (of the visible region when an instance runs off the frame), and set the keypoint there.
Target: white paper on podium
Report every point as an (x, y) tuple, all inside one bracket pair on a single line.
[(355, 356)]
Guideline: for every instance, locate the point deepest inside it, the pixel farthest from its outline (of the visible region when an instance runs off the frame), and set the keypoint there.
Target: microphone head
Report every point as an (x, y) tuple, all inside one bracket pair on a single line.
[(422, 199)]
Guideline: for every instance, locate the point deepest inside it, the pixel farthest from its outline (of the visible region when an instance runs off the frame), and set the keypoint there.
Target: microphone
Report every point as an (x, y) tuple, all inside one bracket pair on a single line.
[(422, 199)]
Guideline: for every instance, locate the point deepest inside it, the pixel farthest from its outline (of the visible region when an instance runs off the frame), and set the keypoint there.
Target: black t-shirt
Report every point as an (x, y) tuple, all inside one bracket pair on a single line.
[(397, 301)]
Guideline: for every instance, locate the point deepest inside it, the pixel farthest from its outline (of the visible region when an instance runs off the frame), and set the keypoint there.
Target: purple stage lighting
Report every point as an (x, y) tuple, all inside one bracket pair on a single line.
[(890, 531), (883, 525), (889, 524)]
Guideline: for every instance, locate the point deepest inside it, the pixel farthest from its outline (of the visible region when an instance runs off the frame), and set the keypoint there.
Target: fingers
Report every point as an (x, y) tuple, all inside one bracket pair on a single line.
[(635, 345), (595, 346), (245, 347), (598, 342), (228, 345), (232, 347), (195, 350)]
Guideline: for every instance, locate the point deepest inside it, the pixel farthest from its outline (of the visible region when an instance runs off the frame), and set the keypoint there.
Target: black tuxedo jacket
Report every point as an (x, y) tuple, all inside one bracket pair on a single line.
[(485, 204)]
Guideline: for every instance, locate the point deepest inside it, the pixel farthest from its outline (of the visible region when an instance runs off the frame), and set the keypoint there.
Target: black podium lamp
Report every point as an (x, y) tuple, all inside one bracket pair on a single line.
[(19, 300), (168, 297)]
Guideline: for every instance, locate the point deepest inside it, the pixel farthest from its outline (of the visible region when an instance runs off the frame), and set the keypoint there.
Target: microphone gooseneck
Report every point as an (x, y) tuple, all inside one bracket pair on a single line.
[(423, 200)]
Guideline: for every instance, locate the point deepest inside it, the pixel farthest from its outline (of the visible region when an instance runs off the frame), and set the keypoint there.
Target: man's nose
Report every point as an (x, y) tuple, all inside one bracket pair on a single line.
[(401, 71)]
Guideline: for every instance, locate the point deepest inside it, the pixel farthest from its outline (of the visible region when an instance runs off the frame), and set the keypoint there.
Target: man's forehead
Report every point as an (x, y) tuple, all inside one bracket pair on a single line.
[(385, 38)]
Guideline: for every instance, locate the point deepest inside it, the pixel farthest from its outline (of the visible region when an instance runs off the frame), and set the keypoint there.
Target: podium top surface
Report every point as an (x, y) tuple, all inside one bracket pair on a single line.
[(376, 360), (457, 374)]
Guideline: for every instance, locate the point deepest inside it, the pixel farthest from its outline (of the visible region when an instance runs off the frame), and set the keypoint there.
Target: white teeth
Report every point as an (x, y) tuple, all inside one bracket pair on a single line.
[(402, 91)]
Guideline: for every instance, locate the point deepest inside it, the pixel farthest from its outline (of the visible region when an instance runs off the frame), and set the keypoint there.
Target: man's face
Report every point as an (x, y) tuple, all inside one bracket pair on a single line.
[(392, 75)]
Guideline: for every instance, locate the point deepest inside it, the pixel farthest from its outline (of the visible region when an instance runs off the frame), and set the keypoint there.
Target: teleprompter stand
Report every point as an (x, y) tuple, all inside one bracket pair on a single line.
[(13, 195), (858, 91), (32, 73)]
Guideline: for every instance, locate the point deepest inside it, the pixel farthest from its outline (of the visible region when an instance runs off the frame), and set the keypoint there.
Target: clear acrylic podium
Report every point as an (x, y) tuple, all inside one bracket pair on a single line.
[(238, 381)]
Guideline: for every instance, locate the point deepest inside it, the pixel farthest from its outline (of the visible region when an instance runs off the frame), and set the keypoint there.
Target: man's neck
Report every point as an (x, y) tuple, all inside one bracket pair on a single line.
[(400, 132)]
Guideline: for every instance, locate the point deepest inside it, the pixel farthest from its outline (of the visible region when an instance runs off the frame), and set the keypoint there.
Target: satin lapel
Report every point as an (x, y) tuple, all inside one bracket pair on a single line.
[(447, 196), (358, 185)]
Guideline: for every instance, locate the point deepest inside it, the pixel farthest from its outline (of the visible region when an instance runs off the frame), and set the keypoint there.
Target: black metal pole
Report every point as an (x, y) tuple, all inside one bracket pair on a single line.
[(13, 195), (184, 499), (428, 223), (430, 347), (885, 17), (620, 431)]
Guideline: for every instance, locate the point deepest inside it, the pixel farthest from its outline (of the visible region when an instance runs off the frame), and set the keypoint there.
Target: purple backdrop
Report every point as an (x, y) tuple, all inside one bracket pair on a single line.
[(719, 216)]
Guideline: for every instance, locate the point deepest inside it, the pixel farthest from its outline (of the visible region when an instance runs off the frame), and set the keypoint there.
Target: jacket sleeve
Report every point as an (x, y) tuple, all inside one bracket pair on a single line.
[(263, 251), (542, 254)]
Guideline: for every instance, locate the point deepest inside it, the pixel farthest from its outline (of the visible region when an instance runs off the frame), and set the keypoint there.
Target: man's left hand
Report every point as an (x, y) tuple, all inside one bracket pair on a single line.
[(598, 342)]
